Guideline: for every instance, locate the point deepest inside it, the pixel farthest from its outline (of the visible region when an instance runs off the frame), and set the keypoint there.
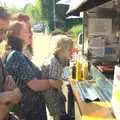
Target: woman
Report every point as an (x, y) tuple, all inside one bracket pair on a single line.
[(26, 75), (28, 51)]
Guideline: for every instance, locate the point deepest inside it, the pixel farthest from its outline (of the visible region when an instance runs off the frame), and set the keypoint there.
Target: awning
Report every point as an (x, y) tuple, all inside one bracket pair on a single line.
[(83, 5), (80, 15), (72, 17), (64, 2)]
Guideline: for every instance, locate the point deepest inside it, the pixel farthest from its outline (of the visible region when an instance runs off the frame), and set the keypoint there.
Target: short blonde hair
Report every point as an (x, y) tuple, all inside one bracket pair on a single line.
[(59, 43)]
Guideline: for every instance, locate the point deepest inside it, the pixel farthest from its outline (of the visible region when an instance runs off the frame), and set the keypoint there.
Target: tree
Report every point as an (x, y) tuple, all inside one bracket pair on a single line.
[(44, 9), (14, 9), (29, 9), (38, 8)]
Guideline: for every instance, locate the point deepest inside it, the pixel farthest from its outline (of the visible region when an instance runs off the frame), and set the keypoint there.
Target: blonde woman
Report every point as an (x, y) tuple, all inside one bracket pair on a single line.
[(52, 69)]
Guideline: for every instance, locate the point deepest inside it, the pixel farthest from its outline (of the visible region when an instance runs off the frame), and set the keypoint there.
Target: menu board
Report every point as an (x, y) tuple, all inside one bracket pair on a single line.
[(116, 93)]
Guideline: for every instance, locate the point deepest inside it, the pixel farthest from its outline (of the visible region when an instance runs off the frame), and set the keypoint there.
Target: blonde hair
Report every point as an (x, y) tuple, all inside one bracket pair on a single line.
[(3, 47), (60, 43)]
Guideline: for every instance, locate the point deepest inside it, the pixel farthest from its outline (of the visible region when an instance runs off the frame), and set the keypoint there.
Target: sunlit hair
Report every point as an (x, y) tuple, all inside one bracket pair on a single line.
[(13, 42), (4, 15), (24, 17), (3, 47), (13, 35), (20, 17), (60, 44)]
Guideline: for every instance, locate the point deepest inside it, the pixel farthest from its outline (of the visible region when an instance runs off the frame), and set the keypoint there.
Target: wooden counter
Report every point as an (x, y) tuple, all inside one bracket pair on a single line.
[(93, 110)]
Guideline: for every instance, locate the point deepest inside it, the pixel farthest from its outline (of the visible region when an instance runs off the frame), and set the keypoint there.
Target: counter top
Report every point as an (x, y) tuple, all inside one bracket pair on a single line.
[(92, 110)]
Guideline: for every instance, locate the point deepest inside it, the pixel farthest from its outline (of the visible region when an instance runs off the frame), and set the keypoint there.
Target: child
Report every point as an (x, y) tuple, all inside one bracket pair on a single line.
[(52, 69)]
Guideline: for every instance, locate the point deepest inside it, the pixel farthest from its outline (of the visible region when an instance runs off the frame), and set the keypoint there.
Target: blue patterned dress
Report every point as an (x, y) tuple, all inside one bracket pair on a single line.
[(32, 105)]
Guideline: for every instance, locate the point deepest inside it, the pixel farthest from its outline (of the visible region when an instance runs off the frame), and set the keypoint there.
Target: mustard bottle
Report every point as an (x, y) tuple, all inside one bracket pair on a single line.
[(85, 70), (78, 70)]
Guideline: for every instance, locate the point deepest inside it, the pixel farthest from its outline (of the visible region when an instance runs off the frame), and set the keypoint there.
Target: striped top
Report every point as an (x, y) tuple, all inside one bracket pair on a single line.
[(52, 68)]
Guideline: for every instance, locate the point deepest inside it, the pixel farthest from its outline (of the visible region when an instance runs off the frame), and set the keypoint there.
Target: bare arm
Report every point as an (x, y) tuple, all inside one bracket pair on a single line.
[(9, 97), (40, 85), (14, 96)]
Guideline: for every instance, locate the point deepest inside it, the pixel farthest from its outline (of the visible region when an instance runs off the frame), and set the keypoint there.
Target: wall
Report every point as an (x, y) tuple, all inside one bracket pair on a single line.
[(102, 23)]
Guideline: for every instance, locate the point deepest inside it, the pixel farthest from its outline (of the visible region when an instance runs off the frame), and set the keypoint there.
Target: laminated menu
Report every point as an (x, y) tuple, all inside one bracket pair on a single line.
[(116, 93)]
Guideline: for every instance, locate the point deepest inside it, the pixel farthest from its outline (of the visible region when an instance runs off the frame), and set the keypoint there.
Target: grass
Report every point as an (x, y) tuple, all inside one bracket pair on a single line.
[(75, 30)]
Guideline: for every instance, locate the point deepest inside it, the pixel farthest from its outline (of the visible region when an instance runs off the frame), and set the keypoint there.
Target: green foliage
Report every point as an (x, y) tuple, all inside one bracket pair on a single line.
[(44, 11), (73, 22), (30, 10), (38, 10), (57, 31), (13, 10), (61, 11), (75, 30)]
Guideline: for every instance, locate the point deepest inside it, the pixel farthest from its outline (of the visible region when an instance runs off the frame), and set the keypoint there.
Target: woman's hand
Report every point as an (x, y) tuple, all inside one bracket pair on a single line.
[(16, 96), (5, 97), (10, 97)]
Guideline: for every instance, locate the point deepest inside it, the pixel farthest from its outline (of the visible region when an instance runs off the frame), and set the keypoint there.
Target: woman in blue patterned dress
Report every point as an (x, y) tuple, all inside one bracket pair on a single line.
[(26, 75)]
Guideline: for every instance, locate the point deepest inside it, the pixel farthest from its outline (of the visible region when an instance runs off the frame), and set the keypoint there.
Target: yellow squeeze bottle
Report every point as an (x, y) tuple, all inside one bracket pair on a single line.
[(85, 70), (78, 70)]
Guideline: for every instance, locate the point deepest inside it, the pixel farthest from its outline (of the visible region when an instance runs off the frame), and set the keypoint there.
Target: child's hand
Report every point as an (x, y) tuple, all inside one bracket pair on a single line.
[(59, 86), (56, 84)]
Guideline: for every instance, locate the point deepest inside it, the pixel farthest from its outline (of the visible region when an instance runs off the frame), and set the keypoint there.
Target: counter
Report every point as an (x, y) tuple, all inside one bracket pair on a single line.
[(92, 110)]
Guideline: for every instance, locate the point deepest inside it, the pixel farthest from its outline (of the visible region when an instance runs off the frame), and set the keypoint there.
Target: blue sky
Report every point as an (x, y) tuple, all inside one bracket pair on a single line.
[(17, 3)]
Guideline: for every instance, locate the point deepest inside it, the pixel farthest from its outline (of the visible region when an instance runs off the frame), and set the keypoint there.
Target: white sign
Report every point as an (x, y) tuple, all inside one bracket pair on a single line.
[(116, 93)]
